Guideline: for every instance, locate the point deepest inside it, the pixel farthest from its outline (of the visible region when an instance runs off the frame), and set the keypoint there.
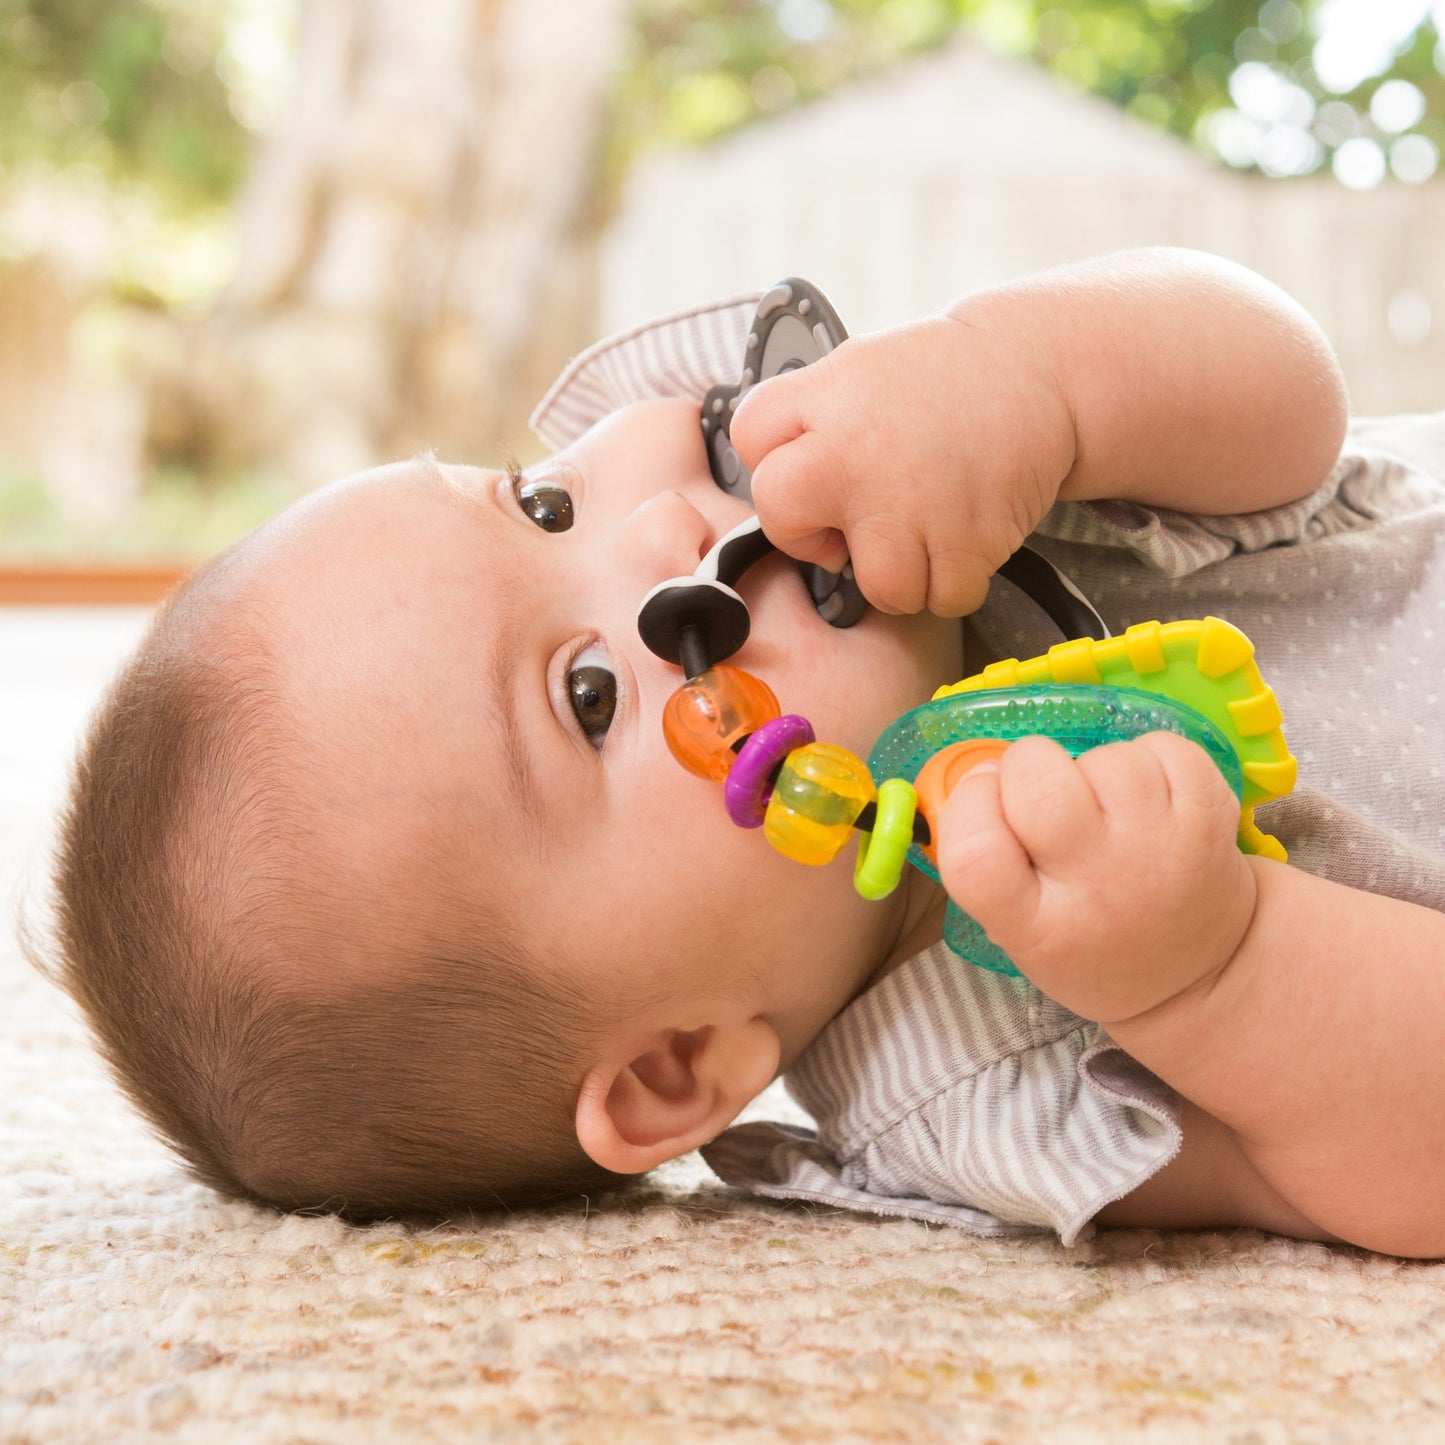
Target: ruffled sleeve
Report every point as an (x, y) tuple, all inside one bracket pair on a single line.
[(679, 355), (1388, 468), (961, 1097)]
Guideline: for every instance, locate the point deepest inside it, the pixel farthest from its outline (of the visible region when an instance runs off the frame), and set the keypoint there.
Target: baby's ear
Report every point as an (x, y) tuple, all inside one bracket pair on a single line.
[(671, 1090)]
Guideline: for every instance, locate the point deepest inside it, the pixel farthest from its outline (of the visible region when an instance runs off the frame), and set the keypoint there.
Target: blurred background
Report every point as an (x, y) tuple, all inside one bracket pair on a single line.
[(249, 245)]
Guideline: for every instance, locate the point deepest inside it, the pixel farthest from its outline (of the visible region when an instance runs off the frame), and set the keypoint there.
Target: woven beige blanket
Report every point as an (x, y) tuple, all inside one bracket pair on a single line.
[(136, 1306)]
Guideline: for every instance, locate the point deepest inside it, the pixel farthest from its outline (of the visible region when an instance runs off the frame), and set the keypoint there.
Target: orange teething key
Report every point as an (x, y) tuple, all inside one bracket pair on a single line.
[(940, 775)]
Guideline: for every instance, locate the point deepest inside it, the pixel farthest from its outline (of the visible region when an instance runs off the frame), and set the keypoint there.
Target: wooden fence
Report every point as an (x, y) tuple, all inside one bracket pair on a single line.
[(904, 193)]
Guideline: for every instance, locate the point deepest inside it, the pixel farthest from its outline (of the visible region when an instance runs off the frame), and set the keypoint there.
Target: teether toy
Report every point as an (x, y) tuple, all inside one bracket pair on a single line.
[(1194, 678)]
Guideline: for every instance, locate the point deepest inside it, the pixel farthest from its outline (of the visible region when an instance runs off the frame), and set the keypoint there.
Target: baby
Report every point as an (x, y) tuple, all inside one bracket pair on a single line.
[(382, 892)]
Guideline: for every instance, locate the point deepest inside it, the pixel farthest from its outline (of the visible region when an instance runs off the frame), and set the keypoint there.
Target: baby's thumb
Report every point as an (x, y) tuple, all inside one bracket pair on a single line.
[(797, 503), (768, 416), (826, 546)]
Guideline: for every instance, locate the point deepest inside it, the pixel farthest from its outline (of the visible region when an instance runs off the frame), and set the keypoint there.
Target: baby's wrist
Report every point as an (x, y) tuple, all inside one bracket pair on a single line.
[(1199, 970), (1011, 326)]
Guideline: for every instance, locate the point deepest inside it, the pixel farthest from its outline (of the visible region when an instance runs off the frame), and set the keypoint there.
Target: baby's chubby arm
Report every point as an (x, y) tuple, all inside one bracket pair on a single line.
[(931, 451), (1300, 1019)]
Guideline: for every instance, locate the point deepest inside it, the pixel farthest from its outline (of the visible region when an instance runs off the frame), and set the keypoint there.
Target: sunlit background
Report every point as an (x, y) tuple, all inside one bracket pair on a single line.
[(246, 245)]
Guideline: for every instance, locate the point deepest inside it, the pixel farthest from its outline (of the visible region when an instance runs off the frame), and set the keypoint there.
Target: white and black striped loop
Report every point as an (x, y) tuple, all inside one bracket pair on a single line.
[(700, 620)]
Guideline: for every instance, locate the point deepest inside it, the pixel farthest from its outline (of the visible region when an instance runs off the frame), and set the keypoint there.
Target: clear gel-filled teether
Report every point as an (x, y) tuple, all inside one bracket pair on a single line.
[(1076, 716)]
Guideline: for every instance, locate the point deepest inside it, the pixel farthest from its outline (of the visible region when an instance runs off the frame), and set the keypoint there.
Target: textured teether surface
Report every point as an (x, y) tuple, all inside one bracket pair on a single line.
[(1196, 678), (1076, 717), (1207, 665)]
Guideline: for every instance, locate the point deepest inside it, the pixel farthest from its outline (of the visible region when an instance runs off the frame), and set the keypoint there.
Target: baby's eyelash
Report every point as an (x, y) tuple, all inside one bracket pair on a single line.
[(514, 478)]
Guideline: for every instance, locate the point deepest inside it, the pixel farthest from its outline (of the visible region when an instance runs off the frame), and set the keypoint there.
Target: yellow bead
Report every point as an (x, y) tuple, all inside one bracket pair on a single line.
[(819, 792)]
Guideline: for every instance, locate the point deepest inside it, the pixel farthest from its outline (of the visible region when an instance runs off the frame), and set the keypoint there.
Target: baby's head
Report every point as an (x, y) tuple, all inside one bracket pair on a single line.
[(378, 884)]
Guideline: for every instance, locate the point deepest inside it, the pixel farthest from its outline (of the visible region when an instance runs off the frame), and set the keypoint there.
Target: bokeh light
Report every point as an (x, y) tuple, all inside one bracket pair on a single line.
[(1275, 86), (1297, 111), (1414, 158), (1397, 105), (256, 62), (1360, 38), (805, 20), (1359, 164)]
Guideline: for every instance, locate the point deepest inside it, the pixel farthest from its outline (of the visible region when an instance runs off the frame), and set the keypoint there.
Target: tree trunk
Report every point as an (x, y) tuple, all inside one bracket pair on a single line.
[(416, 242), (69, 409)]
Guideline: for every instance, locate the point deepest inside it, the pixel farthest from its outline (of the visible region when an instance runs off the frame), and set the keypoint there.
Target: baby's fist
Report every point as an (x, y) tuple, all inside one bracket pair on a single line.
[(927, 454), (1112, 880)]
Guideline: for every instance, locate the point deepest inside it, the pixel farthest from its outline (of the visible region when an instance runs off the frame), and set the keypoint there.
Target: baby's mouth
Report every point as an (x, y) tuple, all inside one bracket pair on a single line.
[(701, 620)]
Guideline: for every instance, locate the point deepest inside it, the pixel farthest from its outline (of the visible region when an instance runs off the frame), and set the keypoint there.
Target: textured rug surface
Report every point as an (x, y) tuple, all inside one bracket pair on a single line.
[(137, 1306)]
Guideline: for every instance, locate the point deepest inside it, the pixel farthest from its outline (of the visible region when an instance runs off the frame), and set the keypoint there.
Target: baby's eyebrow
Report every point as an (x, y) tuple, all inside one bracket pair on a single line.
[(433, 471), (523, 798)]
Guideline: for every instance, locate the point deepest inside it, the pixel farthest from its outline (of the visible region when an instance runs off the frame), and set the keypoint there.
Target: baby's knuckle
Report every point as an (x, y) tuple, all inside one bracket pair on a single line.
[(1160, 744), (1030, 756), (775, 489), (768, 494), (979, 882), (960, 865), (1176, 753), (887, 580), (952, 594), (968, 835)]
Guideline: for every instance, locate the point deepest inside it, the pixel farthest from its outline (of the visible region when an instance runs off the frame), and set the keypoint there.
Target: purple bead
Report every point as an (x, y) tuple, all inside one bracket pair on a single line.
[(747, 788)]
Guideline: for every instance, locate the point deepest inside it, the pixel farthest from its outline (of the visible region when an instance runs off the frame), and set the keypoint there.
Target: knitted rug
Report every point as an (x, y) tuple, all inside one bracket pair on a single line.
[(137, 1306)]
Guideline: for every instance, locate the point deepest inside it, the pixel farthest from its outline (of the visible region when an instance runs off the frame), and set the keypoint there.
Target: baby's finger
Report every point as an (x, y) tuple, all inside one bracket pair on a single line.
[(1194, 784), (890, 562), (957, 581), (1129, 781), (981, 863), (1049, 803), (793, 492), (769, 415)]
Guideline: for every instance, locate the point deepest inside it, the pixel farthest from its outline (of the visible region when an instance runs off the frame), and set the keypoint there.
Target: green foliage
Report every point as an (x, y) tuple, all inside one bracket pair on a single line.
[(177, 515), (700, 68), (124, 88)]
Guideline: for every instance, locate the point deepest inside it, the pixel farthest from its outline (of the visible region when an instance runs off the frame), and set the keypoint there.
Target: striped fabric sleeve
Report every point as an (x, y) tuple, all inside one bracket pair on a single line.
[(1389, 467), (680, 355), (957, 1096)]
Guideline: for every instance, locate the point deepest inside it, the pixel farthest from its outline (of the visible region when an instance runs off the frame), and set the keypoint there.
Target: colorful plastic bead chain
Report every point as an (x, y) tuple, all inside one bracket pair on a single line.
[(807, 796)]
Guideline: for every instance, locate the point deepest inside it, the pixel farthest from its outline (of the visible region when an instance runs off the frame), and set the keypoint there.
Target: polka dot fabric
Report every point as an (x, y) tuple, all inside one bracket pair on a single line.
[(1343, 594)]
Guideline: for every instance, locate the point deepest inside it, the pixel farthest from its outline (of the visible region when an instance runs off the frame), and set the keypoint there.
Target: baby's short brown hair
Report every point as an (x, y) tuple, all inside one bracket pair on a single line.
[(193, 925)]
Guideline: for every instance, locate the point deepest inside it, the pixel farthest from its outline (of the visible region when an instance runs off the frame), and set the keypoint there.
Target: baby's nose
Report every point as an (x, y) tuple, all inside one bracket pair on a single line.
[(666, 536)]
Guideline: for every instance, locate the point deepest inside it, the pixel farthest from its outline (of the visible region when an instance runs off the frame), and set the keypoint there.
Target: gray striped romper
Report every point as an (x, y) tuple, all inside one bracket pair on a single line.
[(949, 1094)]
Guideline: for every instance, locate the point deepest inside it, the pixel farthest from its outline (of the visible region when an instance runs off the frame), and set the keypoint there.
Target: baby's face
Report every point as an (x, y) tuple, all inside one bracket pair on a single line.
[(430, 630)]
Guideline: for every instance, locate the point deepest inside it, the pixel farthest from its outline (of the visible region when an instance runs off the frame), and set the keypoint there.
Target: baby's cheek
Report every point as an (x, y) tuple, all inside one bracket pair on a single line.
[(902, 666)]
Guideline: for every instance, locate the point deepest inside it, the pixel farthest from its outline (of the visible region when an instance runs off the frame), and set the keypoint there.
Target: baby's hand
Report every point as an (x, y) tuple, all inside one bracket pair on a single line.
[(927, 454), (1112, 880)]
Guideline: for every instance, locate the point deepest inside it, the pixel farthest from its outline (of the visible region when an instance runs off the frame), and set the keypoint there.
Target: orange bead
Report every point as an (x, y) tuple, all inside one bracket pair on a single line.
[(706, 716)]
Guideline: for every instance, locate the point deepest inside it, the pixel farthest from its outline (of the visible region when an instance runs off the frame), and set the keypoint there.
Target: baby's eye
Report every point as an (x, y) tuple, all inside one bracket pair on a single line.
[(592, 692), (544, 501)]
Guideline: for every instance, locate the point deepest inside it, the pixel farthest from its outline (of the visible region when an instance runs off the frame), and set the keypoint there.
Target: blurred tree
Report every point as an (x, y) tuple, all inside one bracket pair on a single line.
[(124, 134), (1243, 79), (127, 88), (415, 253), (409, 265)]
